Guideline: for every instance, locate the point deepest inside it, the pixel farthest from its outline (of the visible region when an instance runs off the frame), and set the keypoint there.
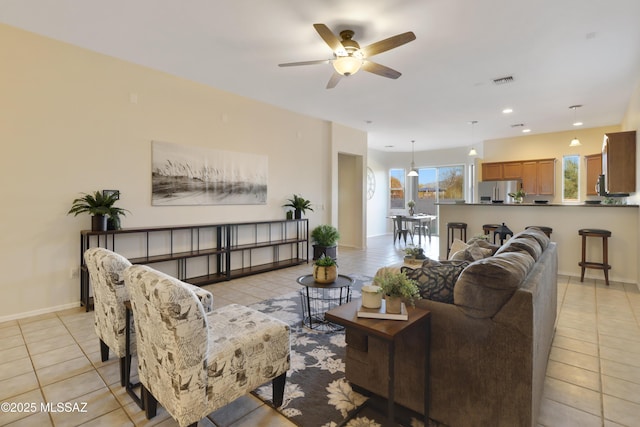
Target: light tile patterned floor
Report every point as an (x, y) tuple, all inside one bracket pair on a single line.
[(593, 377)]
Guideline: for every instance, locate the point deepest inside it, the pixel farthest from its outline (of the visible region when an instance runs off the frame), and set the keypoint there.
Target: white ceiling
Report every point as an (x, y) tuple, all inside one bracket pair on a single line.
[(559, 52)]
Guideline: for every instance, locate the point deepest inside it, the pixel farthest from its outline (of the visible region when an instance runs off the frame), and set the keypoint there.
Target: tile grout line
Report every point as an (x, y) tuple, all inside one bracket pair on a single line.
[(95, 368)]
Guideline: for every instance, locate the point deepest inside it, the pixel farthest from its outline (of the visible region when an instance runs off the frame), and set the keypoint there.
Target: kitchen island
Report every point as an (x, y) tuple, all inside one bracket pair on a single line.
[(566, 220)]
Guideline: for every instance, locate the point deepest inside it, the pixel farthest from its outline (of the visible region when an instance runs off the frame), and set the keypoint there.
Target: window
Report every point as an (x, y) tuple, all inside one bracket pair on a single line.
[(396, 188), (570, 177), (438, 184)]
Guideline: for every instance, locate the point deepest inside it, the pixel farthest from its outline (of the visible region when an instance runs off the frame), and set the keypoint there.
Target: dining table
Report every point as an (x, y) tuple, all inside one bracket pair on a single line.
[(418, 220)]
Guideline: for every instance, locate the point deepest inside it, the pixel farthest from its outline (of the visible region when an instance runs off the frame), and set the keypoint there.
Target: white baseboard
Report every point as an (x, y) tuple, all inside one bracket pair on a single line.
[(39, 312)]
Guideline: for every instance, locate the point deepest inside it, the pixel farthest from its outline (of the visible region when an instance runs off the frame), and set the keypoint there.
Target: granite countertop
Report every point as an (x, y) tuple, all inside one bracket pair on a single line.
[(582, 204)]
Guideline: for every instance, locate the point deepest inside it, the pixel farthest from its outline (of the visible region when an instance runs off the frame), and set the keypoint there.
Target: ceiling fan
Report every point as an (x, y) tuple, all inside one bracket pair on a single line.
[(349, 57)]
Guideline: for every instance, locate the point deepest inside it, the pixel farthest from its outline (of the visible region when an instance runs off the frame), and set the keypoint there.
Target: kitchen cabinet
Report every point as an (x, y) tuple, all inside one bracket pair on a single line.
[(619, 162), (593, 166), (501, 171), (530, 177), (512, 170), (546, 177), (538, 176), (492, 171)]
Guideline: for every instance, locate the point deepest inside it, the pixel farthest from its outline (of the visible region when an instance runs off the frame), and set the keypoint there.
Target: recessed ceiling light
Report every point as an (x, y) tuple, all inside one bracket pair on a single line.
[(507, 111), (388, 146), (526, 130), (577, 123)]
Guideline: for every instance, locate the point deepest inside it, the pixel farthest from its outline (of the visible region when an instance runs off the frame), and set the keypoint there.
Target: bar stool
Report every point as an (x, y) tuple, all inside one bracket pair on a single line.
[(604, 265), (490, 228), (451, 230), (545, 230)]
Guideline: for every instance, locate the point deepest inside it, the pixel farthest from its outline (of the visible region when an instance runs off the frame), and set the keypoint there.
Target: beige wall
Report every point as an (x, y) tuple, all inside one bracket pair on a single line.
[(76, 121)]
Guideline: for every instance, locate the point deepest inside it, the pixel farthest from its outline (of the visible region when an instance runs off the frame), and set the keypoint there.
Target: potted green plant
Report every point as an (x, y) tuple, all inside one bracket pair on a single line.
[(411, 204), (414, 255), (299, 204), (325, 238), (113, 217), (518, 196), (325, 270), (396, 287), (99, 206)]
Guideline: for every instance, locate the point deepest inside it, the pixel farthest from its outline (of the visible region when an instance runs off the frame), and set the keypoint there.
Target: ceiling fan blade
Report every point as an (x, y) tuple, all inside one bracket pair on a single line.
[(333, 81), (380, 70), (295, 64), (387, 44), (329, 38)]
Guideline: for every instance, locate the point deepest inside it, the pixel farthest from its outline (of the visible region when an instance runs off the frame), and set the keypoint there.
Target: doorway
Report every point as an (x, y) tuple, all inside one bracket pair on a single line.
[(351, 200)]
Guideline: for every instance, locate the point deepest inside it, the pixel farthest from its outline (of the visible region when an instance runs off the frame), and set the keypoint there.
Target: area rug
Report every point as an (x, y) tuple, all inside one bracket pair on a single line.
[(317, 393)]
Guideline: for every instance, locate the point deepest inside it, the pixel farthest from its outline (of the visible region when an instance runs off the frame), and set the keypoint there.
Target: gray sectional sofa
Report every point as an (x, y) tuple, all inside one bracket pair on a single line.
[(489, 347)]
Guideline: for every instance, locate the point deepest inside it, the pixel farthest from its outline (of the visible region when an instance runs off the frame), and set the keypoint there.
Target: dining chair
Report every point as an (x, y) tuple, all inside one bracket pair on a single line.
[(401, 229)]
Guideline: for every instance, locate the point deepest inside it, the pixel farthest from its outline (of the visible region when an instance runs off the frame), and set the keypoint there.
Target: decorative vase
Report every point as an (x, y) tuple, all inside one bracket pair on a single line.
[(328, 251), (98, 223), (298, 214), (323, 274), (113, 223), (393, 304), (371, 296), (289, 214), (411, 211)]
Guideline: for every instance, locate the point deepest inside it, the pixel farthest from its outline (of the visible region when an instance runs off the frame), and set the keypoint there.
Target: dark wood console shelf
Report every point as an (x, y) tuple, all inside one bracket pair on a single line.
[(205, 253)]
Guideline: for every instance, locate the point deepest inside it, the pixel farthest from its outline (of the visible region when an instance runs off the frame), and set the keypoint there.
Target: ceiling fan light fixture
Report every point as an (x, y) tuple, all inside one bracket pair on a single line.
[(575, 142), (347, 65)]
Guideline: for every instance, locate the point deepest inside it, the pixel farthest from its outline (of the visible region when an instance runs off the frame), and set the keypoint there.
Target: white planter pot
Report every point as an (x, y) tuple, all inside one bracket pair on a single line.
[(371, 296)]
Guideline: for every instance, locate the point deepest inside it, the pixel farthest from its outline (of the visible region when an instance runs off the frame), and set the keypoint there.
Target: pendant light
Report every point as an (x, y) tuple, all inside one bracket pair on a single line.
[(413, 171), (473, 151), (575, 142)]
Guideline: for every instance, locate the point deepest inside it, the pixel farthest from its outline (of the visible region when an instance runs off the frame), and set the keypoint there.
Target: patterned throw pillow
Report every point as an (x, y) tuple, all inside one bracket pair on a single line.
[(436, 279)]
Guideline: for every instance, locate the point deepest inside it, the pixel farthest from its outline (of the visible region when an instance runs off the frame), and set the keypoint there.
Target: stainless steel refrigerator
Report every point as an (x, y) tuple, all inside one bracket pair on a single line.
[(496, 191)]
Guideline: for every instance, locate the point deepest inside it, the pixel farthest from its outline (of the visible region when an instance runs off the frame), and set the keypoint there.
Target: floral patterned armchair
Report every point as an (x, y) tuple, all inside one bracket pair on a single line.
[(193, 362), (106, 270)]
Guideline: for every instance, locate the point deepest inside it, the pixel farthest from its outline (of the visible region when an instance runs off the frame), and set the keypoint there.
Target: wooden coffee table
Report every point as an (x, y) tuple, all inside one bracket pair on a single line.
[(389, 331)]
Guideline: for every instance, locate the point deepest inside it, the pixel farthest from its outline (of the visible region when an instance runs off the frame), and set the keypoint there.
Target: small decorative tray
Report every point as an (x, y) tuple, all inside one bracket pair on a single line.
[(496, 201), (592, 202), (541, 202)]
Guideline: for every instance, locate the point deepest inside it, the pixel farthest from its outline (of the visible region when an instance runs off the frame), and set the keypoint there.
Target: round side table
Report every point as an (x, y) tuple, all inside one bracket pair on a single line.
[(318, 298)]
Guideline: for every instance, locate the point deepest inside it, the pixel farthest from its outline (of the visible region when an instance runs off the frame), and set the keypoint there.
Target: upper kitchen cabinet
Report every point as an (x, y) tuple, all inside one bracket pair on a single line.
[(492, 171), (500, 171), (512, 170), (619, 162), (593, 164), (538, 177)]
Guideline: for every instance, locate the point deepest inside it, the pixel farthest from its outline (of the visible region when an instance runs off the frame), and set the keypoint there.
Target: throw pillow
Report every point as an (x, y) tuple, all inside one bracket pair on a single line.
[(484, 243), (472, 253), (456, 246), (436, 280)]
